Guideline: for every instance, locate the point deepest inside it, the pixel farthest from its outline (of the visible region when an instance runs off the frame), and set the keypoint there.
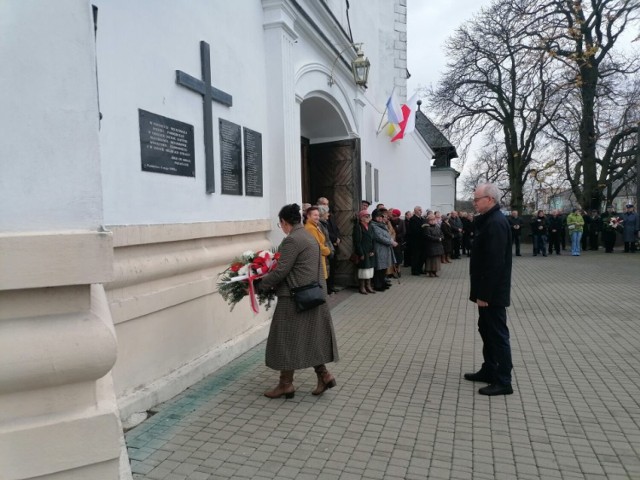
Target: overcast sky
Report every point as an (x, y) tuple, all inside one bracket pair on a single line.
[(430, 23)]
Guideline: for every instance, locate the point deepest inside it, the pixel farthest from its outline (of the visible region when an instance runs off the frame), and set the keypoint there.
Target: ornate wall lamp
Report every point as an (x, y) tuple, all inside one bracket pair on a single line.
[(359, 66)]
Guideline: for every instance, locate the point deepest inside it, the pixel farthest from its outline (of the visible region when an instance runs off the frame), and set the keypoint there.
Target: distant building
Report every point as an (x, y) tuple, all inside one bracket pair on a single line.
[(443, 176)]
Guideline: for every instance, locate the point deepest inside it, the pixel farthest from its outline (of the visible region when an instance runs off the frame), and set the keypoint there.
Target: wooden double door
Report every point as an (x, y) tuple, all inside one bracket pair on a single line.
[(332, 170)]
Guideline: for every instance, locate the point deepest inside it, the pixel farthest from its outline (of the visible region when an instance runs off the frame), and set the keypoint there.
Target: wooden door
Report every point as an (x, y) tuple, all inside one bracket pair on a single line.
[(334, 172)]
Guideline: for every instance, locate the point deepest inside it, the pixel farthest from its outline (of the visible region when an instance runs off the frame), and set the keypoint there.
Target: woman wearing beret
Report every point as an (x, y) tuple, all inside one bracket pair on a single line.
[(298, 339)]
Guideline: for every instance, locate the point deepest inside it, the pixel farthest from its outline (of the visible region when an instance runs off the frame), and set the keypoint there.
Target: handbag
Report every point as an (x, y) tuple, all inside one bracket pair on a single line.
[(354, 258), (308, 296)]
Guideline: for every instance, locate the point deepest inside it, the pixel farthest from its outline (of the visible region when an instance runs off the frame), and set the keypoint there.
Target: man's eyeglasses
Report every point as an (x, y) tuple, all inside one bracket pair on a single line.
[(477, 199)]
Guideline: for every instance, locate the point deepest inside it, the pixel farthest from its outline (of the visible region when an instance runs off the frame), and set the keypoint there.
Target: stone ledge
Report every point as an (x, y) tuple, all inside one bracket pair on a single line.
[(51, 259), (47, 448), (129, 235)]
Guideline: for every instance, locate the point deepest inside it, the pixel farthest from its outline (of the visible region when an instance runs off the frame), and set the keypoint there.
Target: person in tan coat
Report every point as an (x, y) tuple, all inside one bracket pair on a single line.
[(313, 227)]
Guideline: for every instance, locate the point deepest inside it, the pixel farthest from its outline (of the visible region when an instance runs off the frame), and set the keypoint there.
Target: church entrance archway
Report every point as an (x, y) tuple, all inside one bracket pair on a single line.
[(331, 168)]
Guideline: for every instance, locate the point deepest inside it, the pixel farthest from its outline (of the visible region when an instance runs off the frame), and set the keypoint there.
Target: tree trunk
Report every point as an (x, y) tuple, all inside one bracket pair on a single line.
[(590, 198)]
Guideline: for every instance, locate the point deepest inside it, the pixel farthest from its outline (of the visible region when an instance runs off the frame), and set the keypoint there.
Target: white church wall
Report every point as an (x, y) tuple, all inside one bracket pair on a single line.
[(140, 45), (41, 155), (171, 239), (443, 197), (57, 340), (403, 166)]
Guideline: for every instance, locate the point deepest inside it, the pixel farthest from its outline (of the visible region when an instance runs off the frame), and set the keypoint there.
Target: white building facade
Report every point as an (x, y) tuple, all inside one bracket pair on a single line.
[(108, 268)]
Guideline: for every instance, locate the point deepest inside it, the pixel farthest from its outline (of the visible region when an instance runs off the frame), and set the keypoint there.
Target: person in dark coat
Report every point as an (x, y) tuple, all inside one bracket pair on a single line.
[(407, 247), (586, 229), (467, 233), (539, 232), (457, 229), (608, 230), (594, 230), (416, 241), (363, 250), (555, 227), (490, 270), (630, 227), (447, 239), (433, 248), (334, 238), (516, 229), (401, 236), (298, 339)]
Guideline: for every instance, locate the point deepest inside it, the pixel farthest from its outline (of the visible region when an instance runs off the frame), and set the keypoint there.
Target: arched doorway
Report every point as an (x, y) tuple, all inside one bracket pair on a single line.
[(331, 168)]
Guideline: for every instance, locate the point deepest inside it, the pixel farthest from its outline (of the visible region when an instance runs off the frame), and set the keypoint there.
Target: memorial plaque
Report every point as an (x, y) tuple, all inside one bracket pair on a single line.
[(252, 163), (230, 158), (166, 145)]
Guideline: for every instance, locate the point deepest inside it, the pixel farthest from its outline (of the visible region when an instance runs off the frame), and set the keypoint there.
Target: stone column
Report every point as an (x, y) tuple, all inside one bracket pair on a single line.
[(284, 111), (58, 413)]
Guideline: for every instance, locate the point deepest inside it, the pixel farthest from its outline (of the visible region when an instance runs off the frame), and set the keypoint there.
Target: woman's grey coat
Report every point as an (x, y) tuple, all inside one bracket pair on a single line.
[(433, 237), (298, 339), (630, 226), (382, 242)]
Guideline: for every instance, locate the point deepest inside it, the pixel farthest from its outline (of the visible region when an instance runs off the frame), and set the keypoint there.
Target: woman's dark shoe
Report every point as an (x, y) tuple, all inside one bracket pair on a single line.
[(325, 380), (285, 386)]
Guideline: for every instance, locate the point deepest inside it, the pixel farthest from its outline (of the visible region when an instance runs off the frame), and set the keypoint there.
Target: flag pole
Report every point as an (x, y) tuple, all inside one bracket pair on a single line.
[(385, 111)]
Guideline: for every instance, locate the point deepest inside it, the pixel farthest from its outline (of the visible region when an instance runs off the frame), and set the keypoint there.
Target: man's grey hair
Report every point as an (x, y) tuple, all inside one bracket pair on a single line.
[(323, 209), (490, 190)]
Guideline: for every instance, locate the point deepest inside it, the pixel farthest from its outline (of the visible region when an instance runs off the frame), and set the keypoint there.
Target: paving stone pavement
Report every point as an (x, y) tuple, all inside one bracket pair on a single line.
[(401, 409)]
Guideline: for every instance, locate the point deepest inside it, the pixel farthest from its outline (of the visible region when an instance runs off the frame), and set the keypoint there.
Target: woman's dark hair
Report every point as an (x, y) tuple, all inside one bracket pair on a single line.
[(311, 209), (290, 214)]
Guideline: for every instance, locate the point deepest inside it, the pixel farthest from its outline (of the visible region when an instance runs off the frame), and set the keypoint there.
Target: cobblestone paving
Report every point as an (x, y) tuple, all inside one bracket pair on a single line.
[(401, 409)]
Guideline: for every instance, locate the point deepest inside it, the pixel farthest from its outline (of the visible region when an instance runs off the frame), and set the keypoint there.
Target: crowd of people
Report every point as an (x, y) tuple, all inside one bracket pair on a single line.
[(303, 336), (384, 240), (581, 230)]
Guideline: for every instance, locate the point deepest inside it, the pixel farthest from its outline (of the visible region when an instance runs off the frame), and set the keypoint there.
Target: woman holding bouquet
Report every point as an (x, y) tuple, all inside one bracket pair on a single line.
[(298, 339)]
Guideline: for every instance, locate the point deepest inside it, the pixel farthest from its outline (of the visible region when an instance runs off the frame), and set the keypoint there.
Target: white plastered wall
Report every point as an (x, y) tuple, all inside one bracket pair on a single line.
[(57, 341)]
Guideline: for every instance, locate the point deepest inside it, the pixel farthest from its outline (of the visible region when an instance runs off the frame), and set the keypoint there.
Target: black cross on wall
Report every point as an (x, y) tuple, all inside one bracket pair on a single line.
[(209, 93)]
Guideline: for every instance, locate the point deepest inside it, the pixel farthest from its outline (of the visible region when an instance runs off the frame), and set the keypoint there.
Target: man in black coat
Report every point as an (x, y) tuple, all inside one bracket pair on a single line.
[(490, 269), (555, 227), (415, 241), (516, 228)]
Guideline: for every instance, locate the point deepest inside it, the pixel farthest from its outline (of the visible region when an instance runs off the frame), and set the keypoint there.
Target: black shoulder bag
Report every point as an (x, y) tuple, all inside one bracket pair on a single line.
[(308, 296)]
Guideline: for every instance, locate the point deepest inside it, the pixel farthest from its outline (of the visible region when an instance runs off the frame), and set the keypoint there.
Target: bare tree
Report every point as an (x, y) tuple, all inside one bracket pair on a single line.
[(490, 166), (496, 86), (597, 118)]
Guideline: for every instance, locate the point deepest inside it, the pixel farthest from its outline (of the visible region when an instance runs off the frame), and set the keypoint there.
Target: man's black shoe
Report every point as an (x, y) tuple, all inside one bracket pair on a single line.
[(496, 389), (478, 377)]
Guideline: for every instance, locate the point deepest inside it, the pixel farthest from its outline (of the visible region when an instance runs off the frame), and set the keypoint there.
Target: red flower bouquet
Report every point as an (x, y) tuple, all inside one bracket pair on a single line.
[(616, 223), (237, 281)]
